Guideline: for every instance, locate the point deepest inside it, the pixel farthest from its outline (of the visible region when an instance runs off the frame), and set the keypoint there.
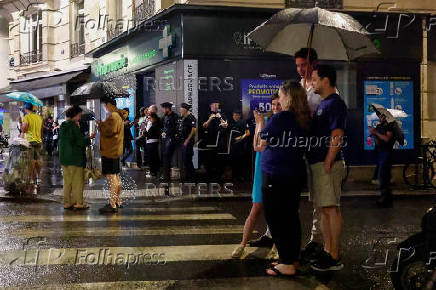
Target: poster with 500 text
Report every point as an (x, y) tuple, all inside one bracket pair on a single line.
[(256, 95)]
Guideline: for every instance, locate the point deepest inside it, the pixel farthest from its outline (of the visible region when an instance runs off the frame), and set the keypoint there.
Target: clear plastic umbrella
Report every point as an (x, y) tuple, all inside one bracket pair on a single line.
[(334, 35)]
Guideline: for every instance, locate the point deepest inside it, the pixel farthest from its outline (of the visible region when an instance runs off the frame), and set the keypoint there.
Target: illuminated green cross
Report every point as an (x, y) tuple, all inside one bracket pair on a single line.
[(166, 41)]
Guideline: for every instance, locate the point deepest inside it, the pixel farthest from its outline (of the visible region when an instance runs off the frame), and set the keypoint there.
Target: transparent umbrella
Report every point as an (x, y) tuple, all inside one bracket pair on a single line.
[(334, 35)]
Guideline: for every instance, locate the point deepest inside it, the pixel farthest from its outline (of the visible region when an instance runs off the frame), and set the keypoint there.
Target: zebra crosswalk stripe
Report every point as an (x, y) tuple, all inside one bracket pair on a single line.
[(127, 231), (91, 218)]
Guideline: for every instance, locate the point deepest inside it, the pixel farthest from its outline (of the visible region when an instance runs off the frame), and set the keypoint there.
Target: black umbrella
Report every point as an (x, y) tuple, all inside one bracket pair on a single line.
[(334, 35), (87, 115), (98, 90)]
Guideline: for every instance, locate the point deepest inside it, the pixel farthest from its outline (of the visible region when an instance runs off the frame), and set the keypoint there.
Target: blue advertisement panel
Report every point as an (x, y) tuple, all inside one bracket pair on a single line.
[(397, 97), (256, 94), (128, 103)]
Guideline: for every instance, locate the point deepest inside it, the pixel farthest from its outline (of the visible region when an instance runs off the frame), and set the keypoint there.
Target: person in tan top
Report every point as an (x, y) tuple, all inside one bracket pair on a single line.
[(111, 149)]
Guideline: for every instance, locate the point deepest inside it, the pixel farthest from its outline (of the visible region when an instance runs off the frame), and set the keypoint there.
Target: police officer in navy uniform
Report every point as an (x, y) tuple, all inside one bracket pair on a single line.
[(215, 129), (186, 135), (239, 132), (169, 132)]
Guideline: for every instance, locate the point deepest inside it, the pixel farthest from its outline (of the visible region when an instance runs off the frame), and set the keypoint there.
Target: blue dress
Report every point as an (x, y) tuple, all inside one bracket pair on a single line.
[(256, 194)]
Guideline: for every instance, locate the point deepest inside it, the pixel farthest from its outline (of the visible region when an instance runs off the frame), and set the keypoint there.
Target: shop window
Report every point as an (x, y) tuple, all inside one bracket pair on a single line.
[(31, 38)]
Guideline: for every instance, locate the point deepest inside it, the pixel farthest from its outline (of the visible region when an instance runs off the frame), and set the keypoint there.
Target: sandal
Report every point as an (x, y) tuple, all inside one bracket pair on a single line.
[(68, 206), (278, 273), (237, 252), (82, 206)]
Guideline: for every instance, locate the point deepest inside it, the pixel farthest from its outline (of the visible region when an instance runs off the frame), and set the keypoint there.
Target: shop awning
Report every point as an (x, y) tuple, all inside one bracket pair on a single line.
[(46, 86)]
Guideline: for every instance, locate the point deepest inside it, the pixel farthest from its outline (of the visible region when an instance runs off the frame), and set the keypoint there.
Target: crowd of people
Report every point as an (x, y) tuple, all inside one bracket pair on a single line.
[(159, 138), (301, 143), (284, 168)]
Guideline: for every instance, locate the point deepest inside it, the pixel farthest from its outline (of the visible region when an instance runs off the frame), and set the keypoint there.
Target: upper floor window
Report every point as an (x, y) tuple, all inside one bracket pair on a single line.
[(117, 21), (31, 38), (144, 9), (77, 28)]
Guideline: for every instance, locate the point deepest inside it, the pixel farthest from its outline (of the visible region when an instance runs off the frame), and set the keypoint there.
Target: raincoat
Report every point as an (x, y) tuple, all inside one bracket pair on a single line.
[(72, 144), (112, 133)]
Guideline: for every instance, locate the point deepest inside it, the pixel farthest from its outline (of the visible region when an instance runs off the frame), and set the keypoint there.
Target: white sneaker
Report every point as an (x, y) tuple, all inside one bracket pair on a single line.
[(238, 251), (374, 181)]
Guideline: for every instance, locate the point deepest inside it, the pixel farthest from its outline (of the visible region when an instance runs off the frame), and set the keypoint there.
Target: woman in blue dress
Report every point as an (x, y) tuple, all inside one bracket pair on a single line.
[(256, 195)]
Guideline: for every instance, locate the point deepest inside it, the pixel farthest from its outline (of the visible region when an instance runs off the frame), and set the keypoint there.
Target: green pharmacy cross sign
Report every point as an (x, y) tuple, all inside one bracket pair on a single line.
[(136, 58), (166, 42)]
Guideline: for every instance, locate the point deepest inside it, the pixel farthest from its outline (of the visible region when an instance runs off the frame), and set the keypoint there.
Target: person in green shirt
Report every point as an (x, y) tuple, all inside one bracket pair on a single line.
[(72, 144), (32, 129)]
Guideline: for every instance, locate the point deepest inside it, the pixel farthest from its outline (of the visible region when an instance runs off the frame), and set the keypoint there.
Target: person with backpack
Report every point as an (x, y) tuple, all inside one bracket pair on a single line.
[(384, 137)]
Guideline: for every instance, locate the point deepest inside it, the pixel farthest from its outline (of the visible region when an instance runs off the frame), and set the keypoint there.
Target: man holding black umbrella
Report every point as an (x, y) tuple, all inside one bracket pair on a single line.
[(111, 149)]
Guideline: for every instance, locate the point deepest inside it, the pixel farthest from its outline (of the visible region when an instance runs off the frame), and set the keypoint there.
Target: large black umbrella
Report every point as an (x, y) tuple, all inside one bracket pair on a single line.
[(87, 115), (98, 90), (334, 35)]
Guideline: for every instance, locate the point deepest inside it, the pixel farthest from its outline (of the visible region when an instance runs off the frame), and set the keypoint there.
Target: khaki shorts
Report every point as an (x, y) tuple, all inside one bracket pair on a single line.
[(36, 150), (325, 189)]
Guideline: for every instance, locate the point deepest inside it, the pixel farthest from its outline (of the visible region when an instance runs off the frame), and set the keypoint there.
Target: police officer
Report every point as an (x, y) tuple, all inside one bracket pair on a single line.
[(169, 132), (215, 134), (239, 132), (186, 134)]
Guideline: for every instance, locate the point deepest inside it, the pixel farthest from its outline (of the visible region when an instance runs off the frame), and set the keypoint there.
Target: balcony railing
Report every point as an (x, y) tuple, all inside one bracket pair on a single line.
[(113, 32), (145, 10), (30, 57), (77, 49), (326, 4)]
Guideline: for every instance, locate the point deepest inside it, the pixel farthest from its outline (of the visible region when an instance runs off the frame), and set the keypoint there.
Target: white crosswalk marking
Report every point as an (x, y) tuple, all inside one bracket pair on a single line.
[(124, 241), (87, 218), (128, 231), (125, 255)]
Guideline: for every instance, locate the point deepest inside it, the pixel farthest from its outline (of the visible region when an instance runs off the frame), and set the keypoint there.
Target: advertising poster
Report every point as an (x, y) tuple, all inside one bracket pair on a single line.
[(397, 97), (256, 94), (129, 103)]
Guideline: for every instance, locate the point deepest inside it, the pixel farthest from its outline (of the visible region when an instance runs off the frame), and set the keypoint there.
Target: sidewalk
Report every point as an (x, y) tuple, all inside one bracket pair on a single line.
[(137, 186)]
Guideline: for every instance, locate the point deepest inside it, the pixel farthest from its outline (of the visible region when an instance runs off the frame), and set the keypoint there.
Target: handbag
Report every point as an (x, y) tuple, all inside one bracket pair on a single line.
[(91, 171)]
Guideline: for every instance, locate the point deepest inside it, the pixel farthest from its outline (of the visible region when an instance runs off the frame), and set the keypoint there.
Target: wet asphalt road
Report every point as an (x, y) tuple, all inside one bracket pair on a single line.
[(184, 244)]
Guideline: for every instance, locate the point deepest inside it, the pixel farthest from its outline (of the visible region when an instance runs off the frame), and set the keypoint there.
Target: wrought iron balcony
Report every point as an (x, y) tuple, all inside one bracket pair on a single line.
[(113, 32), (326, 4), (30, 57), (145, 10), (77, 49)]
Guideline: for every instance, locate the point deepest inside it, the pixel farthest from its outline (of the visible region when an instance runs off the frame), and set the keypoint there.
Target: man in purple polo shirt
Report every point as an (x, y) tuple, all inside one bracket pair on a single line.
[(327, 165)]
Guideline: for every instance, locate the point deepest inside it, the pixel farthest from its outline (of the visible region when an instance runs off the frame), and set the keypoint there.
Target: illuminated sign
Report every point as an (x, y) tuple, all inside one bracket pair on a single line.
[(103, 69)]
